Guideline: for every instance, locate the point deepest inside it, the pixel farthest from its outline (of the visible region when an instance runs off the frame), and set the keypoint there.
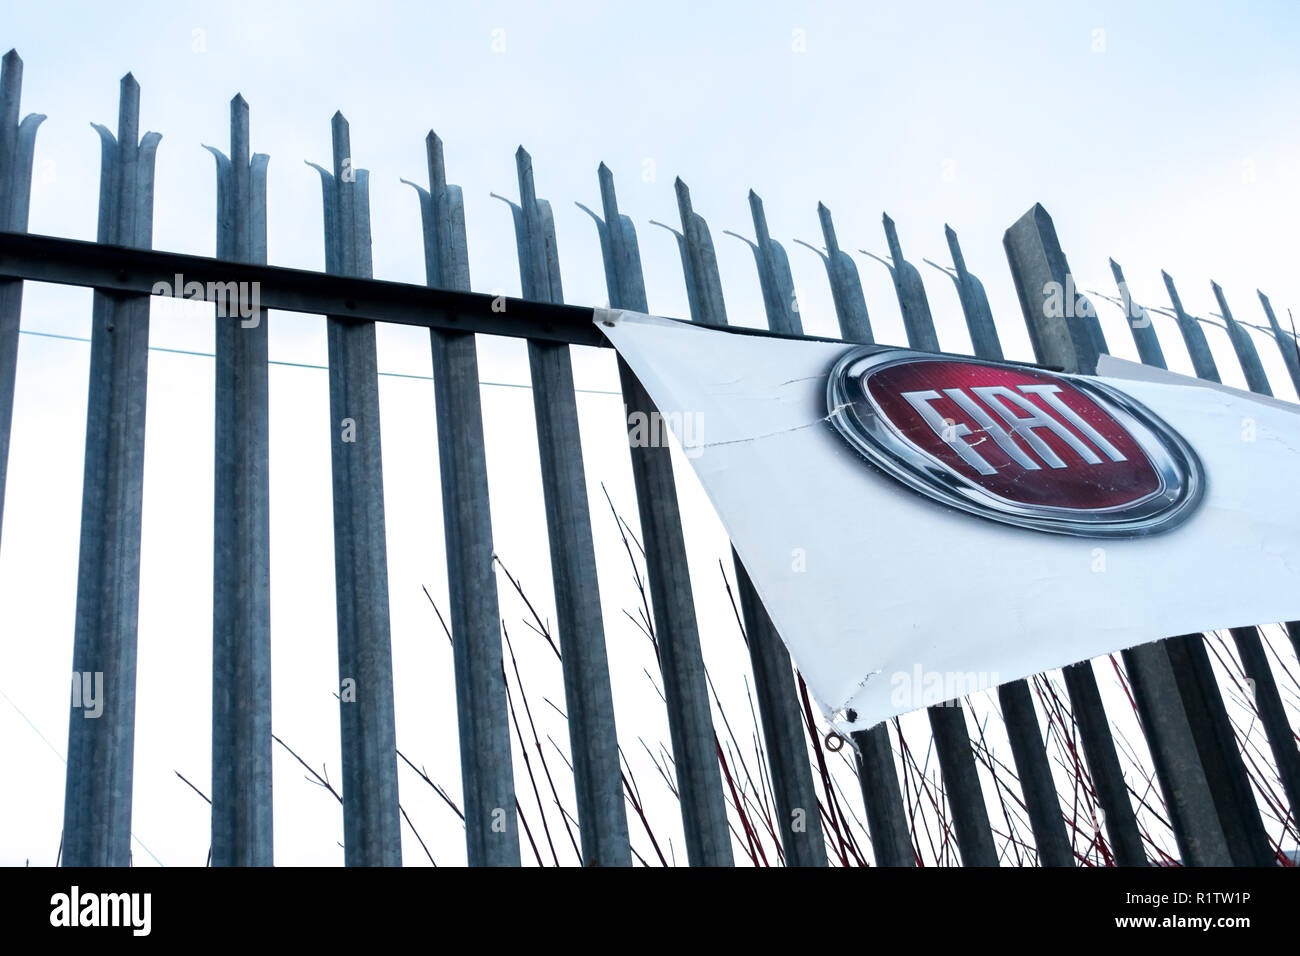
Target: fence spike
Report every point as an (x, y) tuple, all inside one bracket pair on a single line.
[(1089, 714), (677, 632), (910, 290), (846, 287), (773, 274), (1244, 346), (974, 303), (602, 815), (97, 800), (689, 701), (1193, 335), (17, 148), (371, 821), (242, 832), (1216, 744), (891, 841), (700, 263), (487, 771), (1071, 339), (1286, 342), (1139, 322), (774, 681)]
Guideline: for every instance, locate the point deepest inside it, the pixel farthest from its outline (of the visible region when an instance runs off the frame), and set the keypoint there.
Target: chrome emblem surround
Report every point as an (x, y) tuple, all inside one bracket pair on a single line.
[(864, 425)]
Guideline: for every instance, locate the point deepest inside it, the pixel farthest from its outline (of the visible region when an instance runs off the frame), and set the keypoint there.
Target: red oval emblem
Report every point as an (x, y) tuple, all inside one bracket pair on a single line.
[(1019, 445)]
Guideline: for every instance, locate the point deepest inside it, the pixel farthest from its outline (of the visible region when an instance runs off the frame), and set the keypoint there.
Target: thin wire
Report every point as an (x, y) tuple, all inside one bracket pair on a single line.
[(1170, 315), (425, 378), (56, 749)]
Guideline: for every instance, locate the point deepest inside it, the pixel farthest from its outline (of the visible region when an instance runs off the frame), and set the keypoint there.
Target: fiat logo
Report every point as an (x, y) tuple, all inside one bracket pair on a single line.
[(1056, 453)]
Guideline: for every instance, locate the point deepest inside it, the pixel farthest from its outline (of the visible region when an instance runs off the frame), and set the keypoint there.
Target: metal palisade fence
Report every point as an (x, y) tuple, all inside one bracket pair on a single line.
[(1200, 768)]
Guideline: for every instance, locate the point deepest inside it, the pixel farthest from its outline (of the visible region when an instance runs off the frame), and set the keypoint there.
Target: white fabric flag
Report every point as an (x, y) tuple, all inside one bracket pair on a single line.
[(923, 526)]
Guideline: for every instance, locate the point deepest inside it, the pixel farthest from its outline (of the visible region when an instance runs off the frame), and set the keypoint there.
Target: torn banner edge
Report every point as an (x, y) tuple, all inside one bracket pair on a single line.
[(833, 715)]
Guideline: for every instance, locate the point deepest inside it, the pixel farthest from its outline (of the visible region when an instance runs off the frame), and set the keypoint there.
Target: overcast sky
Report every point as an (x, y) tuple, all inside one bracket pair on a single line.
[(1159, 134)]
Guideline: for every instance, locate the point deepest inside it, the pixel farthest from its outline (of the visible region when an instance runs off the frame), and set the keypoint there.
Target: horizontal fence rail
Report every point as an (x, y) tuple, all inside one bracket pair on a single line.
[(1203, 780)]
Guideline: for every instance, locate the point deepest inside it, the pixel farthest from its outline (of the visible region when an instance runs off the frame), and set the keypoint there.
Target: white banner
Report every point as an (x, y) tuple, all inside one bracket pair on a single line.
[(923, 526)]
